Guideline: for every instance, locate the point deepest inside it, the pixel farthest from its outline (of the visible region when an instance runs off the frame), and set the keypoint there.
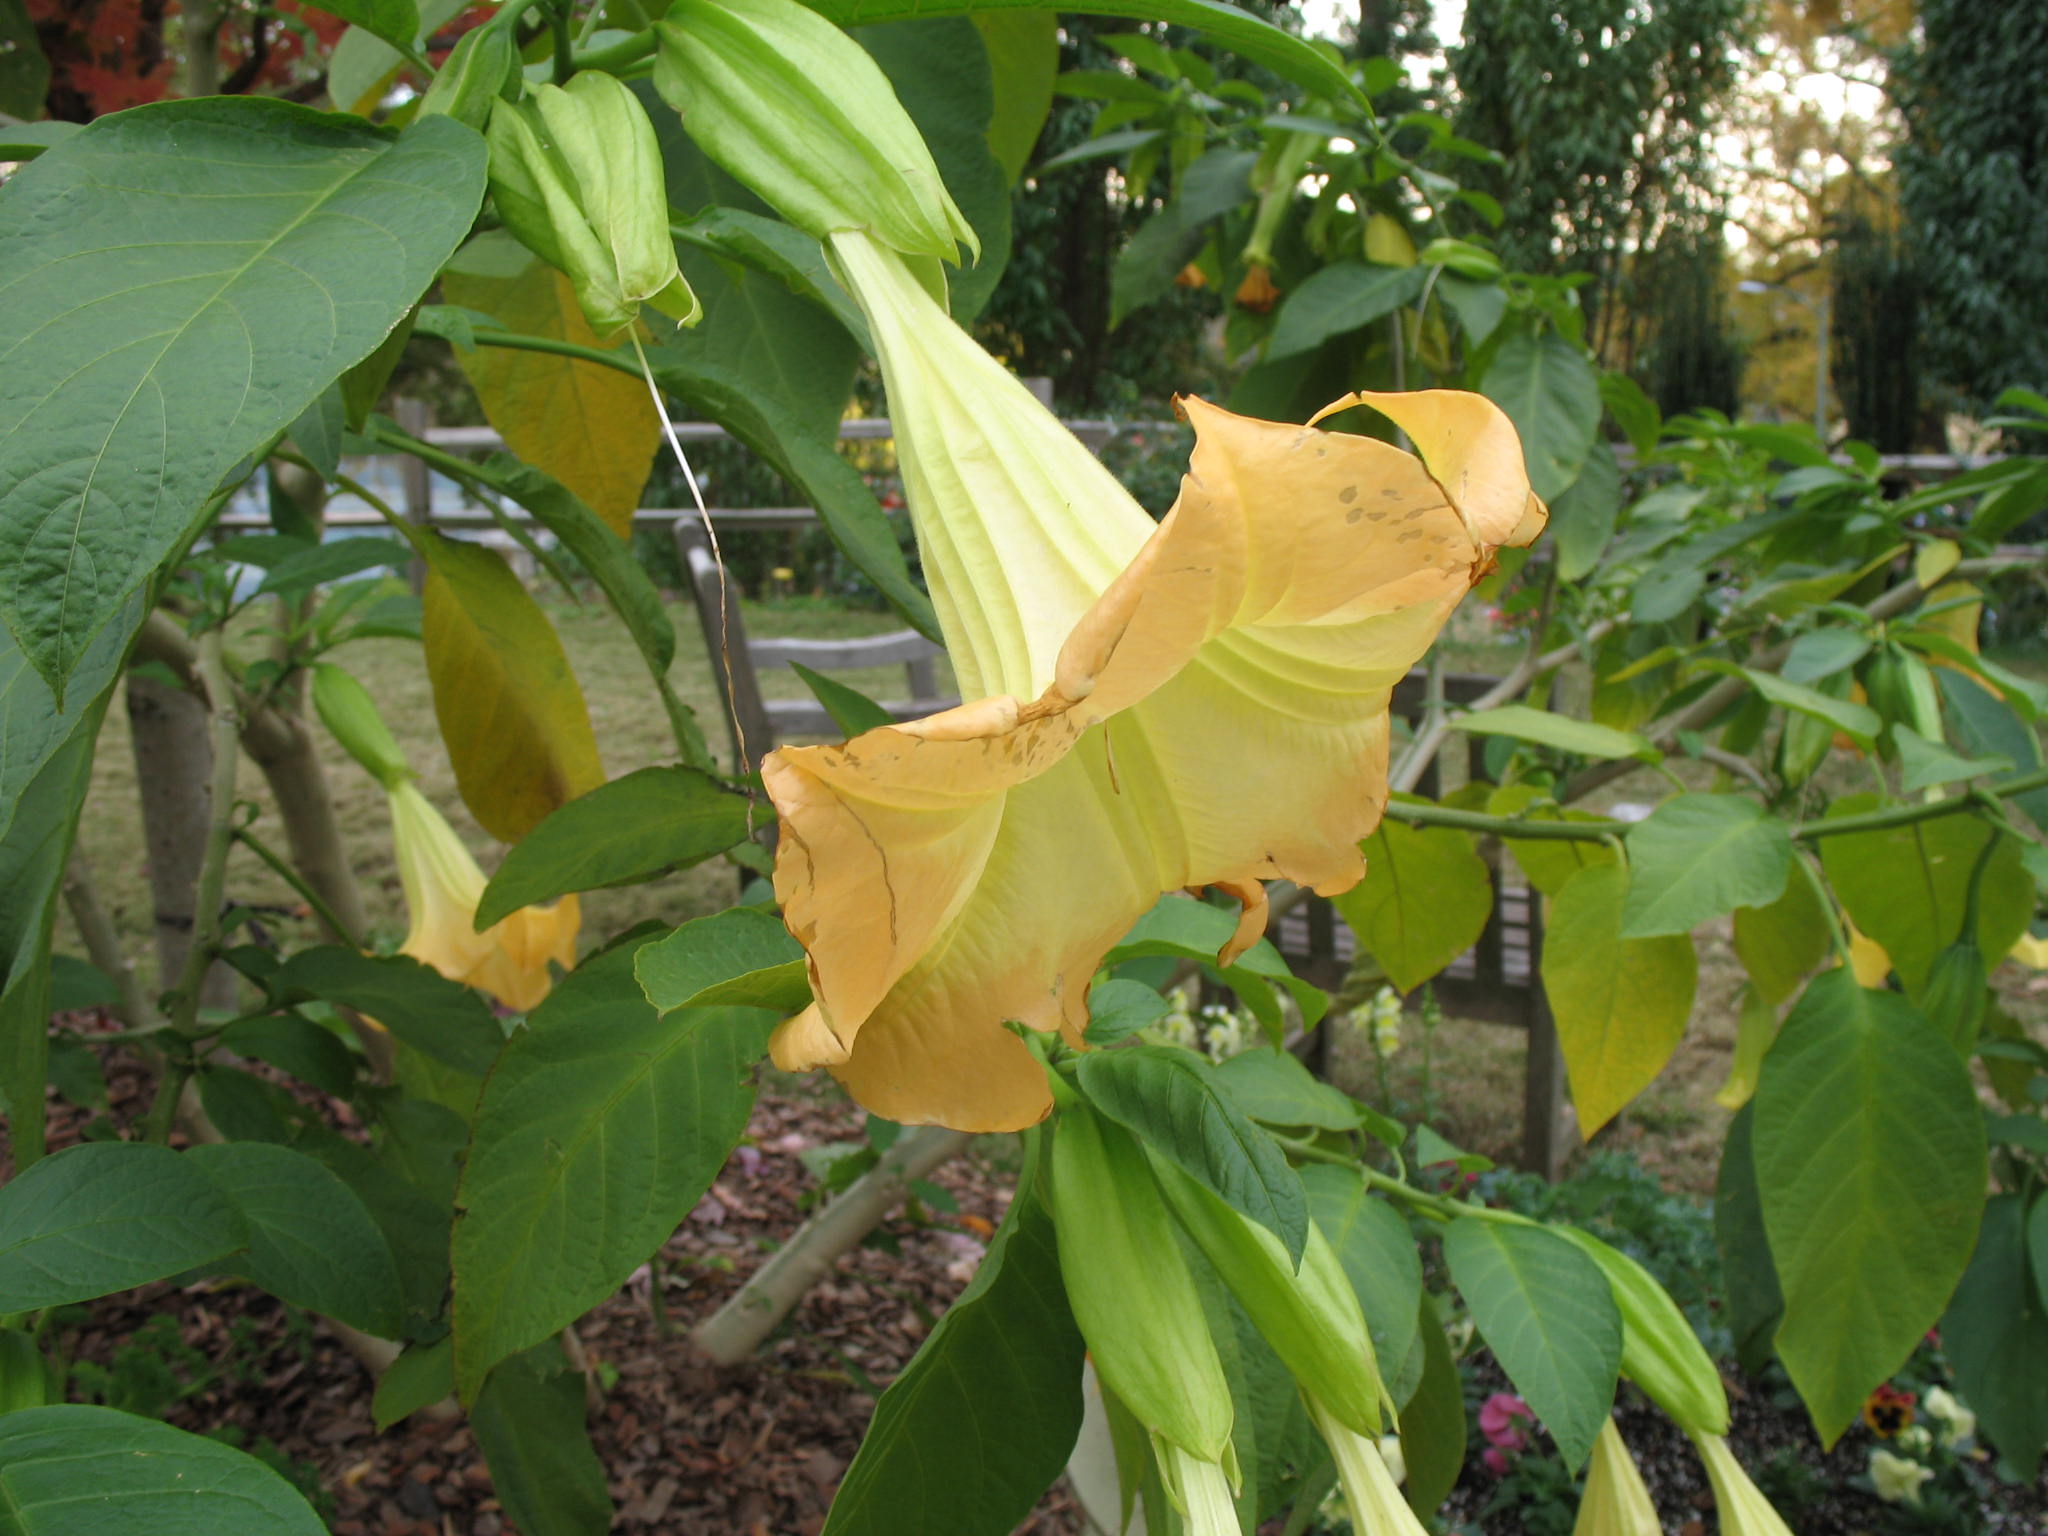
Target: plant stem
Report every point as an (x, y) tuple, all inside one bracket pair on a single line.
[(522, 343), (298, 883), (616, 56), (183, 1003)]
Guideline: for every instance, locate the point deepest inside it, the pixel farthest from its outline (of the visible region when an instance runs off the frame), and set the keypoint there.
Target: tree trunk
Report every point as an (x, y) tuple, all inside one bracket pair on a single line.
[(168, 729)]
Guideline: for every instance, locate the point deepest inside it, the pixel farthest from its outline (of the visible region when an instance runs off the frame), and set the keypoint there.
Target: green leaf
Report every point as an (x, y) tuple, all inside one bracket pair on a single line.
[(1856, 720), (105, 1216), (1173, 1102), (739, 957), (1781, 944), (851, 710), (600, 1129), (1633, 411), (308, 1051), (396, 21), (969, 1437), (1870, 1163), (1023, 57), (1549, 1317), (1341, 297), (24, 72), (1582, 737), (1547, 862), (1118, 1009), (1552, 395), (777, 250), (1239, 31), (1986, 726), (1906, 887), (1621, 1003), (1194, 930), (73, 1470), (1433, 1420), (1372, 1241), (422, 1376), (1996, 1335), (1823, 653), (311, 1241), (1924, 764), (529, 1423), (1699, 857), (285, 245), (418, 1004), (1272, 1086), (1756, 1305), (1424, 901), (647, 823), (1582, 519)]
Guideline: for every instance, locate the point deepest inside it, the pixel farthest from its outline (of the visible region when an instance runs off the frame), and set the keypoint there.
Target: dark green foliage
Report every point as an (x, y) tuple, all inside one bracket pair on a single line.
[(1973, 179), (1694, 359), (1875, 357)]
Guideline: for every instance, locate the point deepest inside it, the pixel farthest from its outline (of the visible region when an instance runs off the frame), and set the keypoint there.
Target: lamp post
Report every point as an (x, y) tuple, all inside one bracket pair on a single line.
[(1820, 375)]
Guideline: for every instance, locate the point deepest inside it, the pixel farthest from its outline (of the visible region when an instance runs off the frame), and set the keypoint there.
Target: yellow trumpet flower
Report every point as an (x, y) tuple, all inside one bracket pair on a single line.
[(1742, 1508), (1371, 1495), (443, 886), (1201, 702)]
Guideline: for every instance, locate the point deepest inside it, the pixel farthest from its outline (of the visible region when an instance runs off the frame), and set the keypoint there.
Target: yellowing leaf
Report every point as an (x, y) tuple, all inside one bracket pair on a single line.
[(591, 427), (1424, 900), (1934, 560), (1756, 1027), (1867, 959), (1621, 1004), (514, 719), (1387, 243)]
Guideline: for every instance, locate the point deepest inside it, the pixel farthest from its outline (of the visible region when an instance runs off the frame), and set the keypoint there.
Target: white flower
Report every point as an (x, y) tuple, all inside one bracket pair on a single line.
[(1957, 1422), (1897, 1480)]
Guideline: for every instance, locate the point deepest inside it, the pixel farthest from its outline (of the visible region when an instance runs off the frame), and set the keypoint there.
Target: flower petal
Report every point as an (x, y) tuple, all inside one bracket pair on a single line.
[(1218, 717)]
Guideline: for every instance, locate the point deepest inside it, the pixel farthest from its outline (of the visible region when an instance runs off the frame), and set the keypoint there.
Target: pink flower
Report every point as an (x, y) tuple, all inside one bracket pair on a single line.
[(1496, 1463), (1505, 1420)]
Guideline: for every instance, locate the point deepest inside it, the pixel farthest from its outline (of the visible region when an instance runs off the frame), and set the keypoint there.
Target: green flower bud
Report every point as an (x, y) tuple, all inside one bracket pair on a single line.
[(576, 175), (345, 709), (1954, 995), (1311, 1317), (1130, 1289), (476, 76), (1660, 1353), (794, 108)]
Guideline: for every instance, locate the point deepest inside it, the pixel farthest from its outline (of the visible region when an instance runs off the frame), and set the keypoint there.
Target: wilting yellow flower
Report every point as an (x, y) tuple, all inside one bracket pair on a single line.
[(1743, 1510), (1371, 1492), (443, 886), (1257, 292), (1199, 702), (1615, 1502)]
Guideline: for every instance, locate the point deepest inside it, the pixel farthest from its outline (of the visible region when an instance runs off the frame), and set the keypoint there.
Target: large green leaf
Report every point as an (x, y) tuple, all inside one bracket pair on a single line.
[(1582, 519), (1433, 1420), (182, 281), (1023, 58), (529, 1423), (1781, 944), (1621, 1004), (981, 1421), (1552, 395), (1870, 1163), (1424, 900), (1239, 31), (1171, 1101), (1271, 1085), (1165, 243), (1343, 296), (395, 21), (1906, 887), (107, 1215), (1755, 1303), (1372, 1241), (1986, 727), (1584, 737), (1699, 857), (73, 1470), (1548, 1316), (311, 1241), (1996, 1335), (1194, 930), (600, 1128), (650, 821), (418, 1004)]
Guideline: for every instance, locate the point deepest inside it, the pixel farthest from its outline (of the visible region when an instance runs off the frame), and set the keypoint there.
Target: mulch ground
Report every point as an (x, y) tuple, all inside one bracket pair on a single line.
[(691, 1449)]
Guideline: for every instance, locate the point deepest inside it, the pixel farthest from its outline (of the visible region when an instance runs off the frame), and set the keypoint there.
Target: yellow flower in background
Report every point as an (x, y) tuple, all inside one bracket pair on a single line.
[(1898, 1479), (1200, 702), (1615, 1502), (443, 887)]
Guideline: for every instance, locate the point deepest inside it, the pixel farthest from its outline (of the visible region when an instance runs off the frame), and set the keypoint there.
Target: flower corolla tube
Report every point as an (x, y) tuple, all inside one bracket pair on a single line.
[(1198, 702)]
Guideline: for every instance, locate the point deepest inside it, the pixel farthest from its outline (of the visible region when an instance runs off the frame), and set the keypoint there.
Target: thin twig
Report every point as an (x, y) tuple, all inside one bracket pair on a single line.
[(298, 883), (103, 945)]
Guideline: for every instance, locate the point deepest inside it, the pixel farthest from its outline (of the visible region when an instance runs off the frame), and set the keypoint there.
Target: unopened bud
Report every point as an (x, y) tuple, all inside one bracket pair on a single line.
[(576, 175), (1660, 1353), (796, 110), (345, 708), (1615, 1502), (475, 77)]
